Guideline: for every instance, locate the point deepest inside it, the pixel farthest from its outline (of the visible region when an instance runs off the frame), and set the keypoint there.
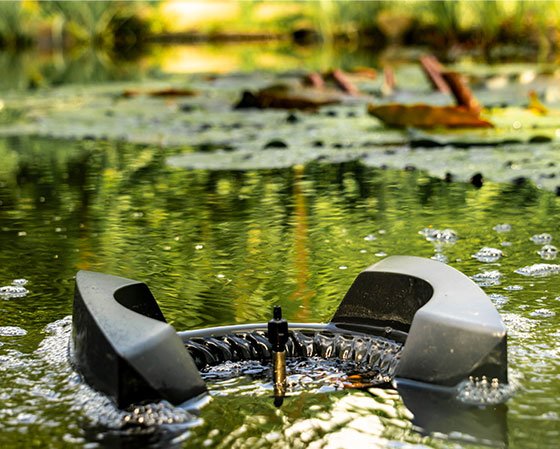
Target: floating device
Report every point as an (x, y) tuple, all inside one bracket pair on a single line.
[(444, 325)]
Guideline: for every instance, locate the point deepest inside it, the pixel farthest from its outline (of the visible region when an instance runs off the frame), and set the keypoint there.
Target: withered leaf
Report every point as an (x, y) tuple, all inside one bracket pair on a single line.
[(426, 116), (286, 97)]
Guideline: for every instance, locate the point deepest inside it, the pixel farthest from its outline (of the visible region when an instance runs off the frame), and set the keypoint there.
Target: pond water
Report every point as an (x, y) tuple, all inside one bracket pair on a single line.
[(287, 226), (223, 247)]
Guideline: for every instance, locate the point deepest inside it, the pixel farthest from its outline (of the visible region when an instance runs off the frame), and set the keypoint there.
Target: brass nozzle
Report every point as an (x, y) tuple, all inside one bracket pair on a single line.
[(279, 368)]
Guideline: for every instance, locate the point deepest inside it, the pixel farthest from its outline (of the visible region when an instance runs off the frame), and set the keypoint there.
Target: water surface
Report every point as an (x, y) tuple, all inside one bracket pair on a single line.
[(224, 247)]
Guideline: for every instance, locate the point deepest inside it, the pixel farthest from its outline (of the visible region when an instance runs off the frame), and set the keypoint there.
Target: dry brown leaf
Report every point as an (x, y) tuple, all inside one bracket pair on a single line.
[(535, 104), (169, 92), (287, 97), (426, 116)]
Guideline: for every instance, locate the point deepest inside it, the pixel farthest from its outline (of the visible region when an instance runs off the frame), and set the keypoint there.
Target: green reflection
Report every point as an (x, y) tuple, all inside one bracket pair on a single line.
[(223, 247)]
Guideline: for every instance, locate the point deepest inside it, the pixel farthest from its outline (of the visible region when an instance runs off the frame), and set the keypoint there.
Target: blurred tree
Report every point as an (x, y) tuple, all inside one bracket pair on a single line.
[(115, 25)]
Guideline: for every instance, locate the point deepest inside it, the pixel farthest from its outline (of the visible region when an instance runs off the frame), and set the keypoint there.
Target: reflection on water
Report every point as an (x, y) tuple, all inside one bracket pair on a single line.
[(223, 247), (86, 65)]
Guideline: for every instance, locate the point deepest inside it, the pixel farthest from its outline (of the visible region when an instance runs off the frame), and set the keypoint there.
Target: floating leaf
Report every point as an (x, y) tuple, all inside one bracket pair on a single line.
[(425, 116), (169, 92), (535, 104), (283, 96)]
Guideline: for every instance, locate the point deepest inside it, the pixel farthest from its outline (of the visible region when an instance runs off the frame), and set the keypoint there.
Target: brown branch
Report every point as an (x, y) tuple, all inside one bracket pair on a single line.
[(433, 70), (389, 82), (314, 80), (344, 83), (463, 95)]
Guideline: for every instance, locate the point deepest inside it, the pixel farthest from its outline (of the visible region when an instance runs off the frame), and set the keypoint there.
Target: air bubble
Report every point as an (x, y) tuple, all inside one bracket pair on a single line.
[(440, 257), (12, 331), (487, 254), (440, 236), (19, 282), (482, 391), (513, 288), (539, 270), (370, 238), (497, 299), (541, 239), (543, 313), (13, 291), (487, 278), (548, 252), (505, 227)]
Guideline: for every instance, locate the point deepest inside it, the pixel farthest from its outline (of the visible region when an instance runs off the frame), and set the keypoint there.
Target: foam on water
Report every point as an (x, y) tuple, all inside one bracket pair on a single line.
[(539, 270), (439, 236), (16, 290), (487, 278), (483, 391), (502, 227), (541, 239), (47, 391), (498, 300), (440, 257), (488, 255), (542, 313), (548, 252), (12, 331)]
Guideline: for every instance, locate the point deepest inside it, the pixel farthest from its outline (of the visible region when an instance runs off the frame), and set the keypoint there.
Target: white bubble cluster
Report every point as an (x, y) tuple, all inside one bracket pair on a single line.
[(502, 227), (482, 391), (12, 331), (497, 299), (16, 290), (487, 278), (548, 252), (543, 313), (487, 254), (439, 236), (440, 257), (539, 270), (541, 239)]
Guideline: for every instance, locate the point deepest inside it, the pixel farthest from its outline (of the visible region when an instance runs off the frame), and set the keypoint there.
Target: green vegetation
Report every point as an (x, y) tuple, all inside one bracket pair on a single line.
[(122, 27), (14, 21)]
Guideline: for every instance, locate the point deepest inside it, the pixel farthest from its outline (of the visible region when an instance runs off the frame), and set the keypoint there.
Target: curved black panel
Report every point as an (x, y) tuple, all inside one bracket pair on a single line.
[(454, 331), (123, 346)]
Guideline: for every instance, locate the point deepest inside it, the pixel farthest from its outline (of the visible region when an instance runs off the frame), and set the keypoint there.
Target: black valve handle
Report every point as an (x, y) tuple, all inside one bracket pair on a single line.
[(278, 331)]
